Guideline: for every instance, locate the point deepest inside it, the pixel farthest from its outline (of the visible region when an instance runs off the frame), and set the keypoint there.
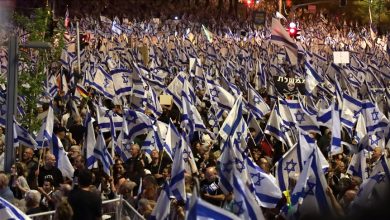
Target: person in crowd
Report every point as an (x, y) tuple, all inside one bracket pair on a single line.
[(150, 187), (155, 167), (145, 207), (2, 135), (74, 151), (18, 182), (49, 170), (126, 190), (79, 164), (5, 191), (31, 167), (210, 190), (2, 155), (33, 197), (63, 211), (77, 130), (119, 175), (46, 191), (135, 165), (85, 204)]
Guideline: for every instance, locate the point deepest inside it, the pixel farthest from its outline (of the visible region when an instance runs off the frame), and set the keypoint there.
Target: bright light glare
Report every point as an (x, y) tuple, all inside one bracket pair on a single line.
[(293, 25)]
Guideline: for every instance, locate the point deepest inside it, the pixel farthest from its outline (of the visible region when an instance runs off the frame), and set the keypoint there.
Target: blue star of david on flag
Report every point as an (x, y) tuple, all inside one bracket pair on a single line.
[(106, 82), (227, 167), (256, 100), (259, 178), (375, 116), (125, 78), (290, 166), (132, 118), (283, 128), (300, 117), (237, 207), (373, 140), (214, 92), (239, 165), (186, 155), (310, 189)]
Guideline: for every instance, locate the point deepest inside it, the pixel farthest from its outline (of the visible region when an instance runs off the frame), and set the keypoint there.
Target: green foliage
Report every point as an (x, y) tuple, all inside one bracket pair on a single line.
[(36, 63)]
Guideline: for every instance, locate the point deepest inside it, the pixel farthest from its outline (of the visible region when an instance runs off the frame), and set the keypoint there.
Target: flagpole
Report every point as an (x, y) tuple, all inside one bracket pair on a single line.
[(78, 47)]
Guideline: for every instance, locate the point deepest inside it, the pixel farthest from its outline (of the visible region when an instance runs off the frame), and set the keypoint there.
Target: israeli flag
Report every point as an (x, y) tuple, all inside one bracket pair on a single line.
[(9, 211), (89, 140), (220, 96), (376, 121), (103, 83), (264, 185), (177, 184), (46, 131), (161, 210), (23, 136), (107, 118), (244, 204), (137, 122), (101, 153), (62, 162), (256, 103), (122, 81)]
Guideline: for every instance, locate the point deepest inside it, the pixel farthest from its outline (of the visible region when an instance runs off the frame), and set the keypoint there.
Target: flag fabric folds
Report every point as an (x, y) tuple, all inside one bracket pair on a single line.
[(62, 159), (9, 211)]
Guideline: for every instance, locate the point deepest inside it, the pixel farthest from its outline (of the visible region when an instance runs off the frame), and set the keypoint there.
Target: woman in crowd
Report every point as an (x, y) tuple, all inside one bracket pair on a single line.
[(18, 182)]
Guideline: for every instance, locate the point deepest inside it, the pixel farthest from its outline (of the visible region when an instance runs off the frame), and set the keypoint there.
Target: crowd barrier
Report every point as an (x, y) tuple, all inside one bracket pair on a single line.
[(117, 209)]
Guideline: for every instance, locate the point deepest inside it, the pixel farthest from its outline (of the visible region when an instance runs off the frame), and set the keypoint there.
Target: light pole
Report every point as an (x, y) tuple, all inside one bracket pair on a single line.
[(12, 93)]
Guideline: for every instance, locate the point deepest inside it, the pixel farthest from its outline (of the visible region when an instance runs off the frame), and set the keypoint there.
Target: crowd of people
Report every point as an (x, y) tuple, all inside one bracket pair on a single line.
[(188, 62)]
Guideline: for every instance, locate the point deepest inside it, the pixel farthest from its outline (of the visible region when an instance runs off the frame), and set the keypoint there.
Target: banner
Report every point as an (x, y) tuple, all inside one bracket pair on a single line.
[(289, 86)]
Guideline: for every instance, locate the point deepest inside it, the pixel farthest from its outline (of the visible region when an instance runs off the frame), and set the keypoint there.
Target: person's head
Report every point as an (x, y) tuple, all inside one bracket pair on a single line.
[(165, 173), (32, 197), (3, 181), (211, 174), (77, 120), (48, 185), (154, 155), (376, 153), (74, 151), (65, 189), (347, 198), (149, 181), (134, 150), (85, 178), (28, 154), (50, 160), (18, 169), (118, 169), (79, 162), (60, 132), (340, 167), (126, 189), (63, 210)]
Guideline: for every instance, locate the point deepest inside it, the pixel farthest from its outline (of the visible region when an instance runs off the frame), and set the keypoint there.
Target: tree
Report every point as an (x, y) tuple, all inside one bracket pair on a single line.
[(36, 63)]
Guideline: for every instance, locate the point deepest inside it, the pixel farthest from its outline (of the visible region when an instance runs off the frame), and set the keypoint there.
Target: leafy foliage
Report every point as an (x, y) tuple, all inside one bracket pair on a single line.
[(35, 64)]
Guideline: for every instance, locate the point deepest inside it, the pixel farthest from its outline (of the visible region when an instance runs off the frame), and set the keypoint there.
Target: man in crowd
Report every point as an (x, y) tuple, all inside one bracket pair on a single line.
[(210, 189), (135, 165), (85, 204), (5, 191), (49, 170), (31, 167)]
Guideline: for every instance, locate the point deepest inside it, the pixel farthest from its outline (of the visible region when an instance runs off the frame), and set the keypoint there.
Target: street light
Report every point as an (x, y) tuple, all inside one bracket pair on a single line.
[(12, 93)]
